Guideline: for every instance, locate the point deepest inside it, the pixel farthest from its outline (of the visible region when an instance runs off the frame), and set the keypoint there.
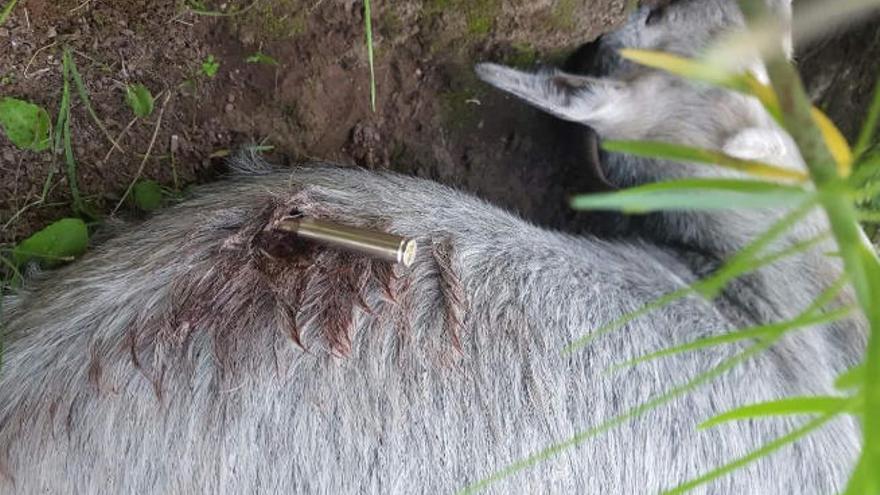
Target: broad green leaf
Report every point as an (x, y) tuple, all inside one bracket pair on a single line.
[(59, 242), (7, 9), (26, 125), (139, 99), (835, 142), (694, 194), (782, 407), (851, 378), (677, 152), (261, 58), (147, 195), (210, 66)]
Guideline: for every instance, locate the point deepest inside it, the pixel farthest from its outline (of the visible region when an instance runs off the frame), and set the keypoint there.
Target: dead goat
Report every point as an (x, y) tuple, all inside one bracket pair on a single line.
[(202, 352)]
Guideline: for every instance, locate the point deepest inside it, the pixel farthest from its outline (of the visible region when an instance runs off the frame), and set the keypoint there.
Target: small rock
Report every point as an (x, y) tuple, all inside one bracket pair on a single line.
[(4, 33), (8, 156), (230, 107), (231, 98), (52, 32), (246, 37)]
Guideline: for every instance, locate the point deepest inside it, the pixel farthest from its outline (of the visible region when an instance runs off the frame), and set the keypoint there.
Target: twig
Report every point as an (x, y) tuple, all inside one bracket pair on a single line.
[(119, 137), (214, 13), (47, 188), (124, 132), (86, 2), (143, 164), (31, 61)]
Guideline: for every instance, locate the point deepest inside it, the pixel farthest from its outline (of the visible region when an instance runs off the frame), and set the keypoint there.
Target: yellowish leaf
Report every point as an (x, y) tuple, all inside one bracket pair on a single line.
[(706, 72), (680, 66), (835, 142)]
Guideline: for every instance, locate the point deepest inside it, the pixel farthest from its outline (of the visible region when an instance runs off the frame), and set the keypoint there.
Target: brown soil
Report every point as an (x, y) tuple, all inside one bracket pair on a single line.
[(433, 118)]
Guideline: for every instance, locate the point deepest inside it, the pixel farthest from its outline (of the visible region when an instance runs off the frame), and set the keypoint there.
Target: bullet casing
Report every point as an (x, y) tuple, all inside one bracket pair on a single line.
[(381, 245)]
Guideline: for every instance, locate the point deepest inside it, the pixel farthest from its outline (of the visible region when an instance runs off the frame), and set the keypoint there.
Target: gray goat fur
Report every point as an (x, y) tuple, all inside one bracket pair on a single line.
[(198, 353)]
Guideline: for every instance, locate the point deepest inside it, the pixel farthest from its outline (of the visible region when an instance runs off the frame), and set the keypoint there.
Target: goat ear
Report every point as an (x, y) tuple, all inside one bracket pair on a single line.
[(564, 95)]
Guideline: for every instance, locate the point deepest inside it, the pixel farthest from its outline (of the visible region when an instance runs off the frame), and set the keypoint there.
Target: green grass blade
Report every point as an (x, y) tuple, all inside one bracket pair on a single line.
[(65, 134), (866, 216), (581, 437), (63, 110), (368, 27), (764, 451), (795, 248), (859, 482), (710, 71), (83, 93), (677, 152), (851, 378), (694, 194), (742, 262), (772, 329), (868, 132), (7, 10), (623, 320), (810, 404)]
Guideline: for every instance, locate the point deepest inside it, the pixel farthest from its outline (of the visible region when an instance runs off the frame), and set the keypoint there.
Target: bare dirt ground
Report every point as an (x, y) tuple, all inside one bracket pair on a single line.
[(432, 119)]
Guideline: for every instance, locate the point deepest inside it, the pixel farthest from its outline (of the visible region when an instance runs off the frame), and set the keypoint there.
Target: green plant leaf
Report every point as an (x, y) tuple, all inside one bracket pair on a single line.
[(677, 152), (147, 195), (261, 58), (680, 66), (769, 330), (580, 437), (708, 72), (210, 66), (868, 133), (742, 262), (57, 243), (7, 10), (851, 378), (26, 125), (836, 143), (794, 405), (139, 99), (764, 451), (71, 73), (694, 194)]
